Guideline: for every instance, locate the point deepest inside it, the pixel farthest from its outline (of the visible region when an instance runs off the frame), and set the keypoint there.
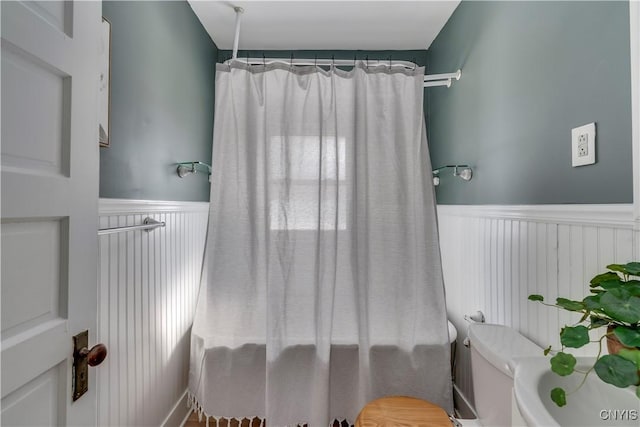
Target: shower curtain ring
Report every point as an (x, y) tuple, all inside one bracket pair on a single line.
[(415, 64), (333, 61), (367, 59), (264, 61), (389, 62)]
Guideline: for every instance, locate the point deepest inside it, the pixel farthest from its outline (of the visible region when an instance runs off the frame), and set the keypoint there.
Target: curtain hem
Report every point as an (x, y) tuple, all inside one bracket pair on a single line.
[(194, 405)]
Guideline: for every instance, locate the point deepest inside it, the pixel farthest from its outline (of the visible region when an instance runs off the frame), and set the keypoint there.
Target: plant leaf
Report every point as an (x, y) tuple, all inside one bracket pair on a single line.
[(633, 286), (592, 302), (563, 363), (621, 305), (558, 396), (617, 370), (628, 336), (570, 305), (603, 277), (617, 267), (631, 354), (535, 297), (547, 350), (633, 268), (574, 336), (611, 284), (620, 293)]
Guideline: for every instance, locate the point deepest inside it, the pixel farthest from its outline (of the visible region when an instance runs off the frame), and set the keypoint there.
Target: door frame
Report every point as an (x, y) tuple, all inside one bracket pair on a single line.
[(634, 32)]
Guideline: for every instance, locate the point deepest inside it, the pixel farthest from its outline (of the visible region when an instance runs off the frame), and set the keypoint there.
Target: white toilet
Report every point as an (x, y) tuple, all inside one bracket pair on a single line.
[(493, 347)]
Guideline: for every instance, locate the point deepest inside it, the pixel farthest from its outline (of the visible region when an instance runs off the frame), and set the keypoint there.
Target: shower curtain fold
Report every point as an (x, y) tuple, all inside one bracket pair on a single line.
[(322, 287)]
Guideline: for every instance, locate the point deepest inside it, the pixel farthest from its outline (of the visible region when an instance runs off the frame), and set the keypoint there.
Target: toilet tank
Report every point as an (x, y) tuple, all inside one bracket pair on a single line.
[(492, 347)]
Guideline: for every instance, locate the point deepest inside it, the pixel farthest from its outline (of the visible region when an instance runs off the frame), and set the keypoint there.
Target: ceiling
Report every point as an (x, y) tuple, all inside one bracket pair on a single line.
[(325, 25)]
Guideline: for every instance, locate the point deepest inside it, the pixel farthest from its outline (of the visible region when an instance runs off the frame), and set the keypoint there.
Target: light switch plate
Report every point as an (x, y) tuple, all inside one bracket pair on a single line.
[(583, 145)]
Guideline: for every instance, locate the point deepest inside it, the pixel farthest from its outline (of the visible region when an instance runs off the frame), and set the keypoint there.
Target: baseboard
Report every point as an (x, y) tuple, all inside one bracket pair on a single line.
[(464, 409), (178, 414)]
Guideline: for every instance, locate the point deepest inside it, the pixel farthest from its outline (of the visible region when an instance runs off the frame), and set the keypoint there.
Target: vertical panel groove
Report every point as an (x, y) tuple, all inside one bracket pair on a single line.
[(504, 260), (148, 285)]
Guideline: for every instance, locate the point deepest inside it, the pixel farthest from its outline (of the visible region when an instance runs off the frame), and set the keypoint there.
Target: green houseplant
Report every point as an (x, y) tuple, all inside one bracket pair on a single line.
[(614, 303)]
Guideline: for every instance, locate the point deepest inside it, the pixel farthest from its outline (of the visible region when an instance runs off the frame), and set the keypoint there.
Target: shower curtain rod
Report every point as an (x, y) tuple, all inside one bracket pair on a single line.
[(430, 80), (322, 61)]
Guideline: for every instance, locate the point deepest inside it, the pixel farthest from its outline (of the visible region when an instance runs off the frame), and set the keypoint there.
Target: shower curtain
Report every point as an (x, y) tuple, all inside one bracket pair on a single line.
[(322, 287)]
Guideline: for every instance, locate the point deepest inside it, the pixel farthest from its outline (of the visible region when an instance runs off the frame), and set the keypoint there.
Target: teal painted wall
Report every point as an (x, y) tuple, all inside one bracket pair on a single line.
[(162, 100), (531, 71)]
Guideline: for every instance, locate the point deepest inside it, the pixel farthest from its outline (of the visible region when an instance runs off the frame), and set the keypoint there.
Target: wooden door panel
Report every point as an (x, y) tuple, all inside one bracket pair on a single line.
[(49, 163), (59, 14), (34, 89), (48, 390), (33, 274)]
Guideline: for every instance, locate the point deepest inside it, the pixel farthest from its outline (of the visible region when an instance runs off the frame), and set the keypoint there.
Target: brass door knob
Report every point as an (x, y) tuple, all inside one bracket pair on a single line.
[(96, 355)]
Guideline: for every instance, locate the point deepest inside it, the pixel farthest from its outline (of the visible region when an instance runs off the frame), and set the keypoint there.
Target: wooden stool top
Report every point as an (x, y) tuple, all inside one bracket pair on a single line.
[(402, 411)]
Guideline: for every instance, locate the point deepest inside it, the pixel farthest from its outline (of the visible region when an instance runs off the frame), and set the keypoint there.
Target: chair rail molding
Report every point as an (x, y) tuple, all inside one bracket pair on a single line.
[(129, 206), (611, 215)]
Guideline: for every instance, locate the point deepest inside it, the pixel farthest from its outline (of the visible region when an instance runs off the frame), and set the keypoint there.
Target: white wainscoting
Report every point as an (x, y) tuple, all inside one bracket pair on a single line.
[(148, 285), (495, 256)]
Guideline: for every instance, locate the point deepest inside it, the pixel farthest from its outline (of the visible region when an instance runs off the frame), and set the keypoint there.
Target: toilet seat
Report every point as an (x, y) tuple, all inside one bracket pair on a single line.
[(402, 411)]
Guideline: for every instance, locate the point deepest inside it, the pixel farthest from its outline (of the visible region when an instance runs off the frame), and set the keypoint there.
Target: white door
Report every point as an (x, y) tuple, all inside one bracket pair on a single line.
[(49, 206)]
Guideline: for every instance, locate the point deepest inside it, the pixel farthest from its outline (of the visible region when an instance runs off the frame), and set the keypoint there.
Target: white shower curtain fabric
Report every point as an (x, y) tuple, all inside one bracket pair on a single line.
[(323, 284)]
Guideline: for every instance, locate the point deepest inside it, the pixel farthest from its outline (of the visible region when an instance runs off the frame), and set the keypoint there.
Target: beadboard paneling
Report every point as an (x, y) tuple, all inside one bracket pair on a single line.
[(495, 256), (148, 285)]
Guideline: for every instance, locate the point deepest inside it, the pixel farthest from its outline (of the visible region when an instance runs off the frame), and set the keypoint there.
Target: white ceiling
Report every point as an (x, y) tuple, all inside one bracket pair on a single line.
[(320, 25)]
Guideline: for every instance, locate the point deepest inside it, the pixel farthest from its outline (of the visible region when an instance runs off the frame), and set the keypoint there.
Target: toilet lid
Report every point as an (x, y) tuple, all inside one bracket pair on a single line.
[(402, 411)]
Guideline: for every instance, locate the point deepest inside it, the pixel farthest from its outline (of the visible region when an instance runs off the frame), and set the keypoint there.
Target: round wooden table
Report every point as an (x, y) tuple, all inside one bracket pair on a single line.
[(402, 411)]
